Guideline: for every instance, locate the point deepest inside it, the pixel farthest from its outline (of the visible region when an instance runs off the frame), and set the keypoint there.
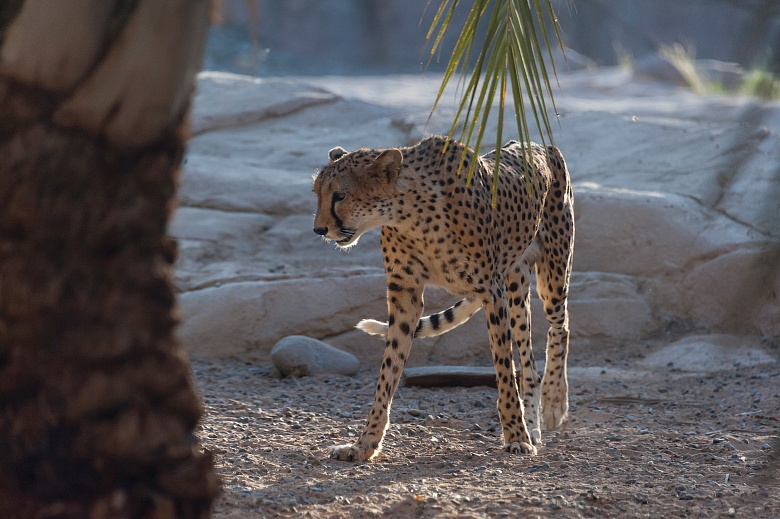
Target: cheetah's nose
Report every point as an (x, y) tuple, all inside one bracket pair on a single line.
[(322, 231)]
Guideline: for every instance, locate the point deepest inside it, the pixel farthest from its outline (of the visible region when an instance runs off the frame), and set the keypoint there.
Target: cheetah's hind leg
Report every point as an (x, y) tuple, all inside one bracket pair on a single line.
[(553, 271)]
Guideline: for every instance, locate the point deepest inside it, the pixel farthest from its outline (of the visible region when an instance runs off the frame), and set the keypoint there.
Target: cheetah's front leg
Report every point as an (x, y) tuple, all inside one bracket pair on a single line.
[(404, 310), (529, 383), (510, 406)]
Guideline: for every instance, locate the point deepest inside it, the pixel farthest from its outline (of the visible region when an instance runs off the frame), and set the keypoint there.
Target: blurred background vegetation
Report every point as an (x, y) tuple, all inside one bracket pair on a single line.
[(356, 37)]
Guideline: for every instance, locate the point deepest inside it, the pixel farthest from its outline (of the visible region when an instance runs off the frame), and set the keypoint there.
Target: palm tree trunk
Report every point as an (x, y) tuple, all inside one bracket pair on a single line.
[(97, 405)]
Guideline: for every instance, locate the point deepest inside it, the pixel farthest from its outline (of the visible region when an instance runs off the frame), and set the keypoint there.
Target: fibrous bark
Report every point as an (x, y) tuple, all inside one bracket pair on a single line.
[(97, 405)]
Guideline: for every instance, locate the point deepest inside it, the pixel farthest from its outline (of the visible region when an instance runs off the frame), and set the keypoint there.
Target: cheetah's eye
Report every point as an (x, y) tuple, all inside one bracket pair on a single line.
[(338, 197)]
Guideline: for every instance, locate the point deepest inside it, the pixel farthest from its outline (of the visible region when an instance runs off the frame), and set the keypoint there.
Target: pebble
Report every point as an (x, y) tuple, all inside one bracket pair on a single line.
[(298, 355)]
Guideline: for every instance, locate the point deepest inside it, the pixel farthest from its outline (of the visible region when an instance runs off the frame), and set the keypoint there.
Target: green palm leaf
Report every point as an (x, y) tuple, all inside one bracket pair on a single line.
[(511, 55)]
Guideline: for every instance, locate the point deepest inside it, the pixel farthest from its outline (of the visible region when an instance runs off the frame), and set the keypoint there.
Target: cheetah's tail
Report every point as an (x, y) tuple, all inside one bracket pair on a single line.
[(430, 325)]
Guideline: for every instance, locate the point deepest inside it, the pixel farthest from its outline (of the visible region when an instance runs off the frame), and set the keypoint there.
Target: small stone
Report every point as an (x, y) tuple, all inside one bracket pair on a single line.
[(766, 446), (298, 355), (541, 466)]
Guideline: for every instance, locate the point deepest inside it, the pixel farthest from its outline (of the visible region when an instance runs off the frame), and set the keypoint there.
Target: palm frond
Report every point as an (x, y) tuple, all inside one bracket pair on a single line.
[(512, 54)]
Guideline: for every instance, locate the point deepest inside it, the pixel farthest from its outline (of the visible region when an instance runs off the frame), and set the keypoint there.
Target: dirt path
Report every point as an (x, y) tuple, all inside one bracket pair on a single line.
[(639, 444)]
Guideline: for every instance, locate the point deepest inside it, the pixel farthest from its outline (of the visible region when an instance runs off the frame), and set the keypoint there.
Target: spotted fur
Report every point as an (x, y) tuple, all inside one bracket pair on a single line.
[(437, 230)]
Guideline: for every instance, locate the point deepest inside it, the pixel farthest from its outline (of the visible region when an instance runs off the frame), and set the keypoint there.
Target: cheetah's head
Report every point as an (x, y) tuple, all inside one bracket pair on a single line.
[(354, 193)]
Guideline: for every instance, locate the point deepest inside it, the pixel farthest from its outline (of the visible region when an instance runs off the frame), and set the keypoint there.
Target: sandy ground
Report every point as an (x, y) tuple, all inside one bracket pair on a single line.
[(639, 443)]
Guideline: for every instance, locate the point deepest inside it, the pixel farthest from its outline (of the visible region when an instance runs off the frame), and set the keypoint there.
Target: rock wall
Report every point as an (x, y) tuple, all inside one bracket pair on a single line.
[(677, 205)]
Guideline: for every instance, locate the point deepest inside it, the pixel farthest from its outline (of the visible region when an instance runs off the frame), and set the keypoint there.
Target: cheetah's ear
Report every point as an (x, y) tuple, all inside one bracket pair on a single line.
[(389, 163), (336, 153)]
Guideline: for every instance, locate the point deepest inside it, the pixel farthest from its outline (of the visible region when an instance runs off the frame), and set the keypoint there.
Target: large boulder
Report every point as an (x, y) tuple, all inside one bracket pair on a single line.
[(648, 233), (251, 316), (675, 201)]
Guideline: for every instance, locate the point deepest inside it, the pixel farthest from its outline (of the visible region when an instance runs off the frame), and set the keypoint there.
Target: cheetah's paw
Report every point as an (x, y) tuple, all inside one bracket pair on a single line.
[(520, 448), (350, 452)]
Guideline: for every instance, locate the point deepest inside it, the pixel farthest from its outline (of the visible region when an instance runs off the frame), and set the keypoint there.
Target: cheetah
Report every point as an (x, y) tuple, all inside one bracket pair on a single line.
[(437, 229)]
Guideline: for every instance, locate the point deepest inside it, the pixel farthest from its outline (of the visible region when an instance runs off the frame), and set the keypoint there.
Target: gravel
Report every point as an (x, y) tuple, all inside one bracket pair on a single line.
[(671, 444)]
